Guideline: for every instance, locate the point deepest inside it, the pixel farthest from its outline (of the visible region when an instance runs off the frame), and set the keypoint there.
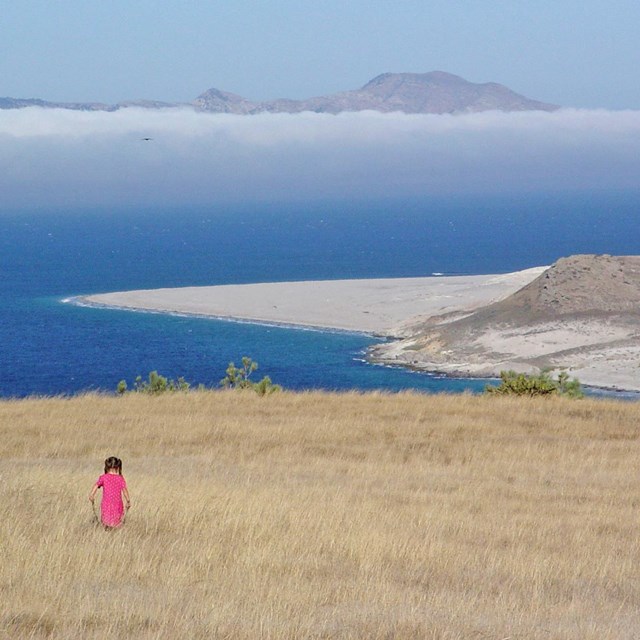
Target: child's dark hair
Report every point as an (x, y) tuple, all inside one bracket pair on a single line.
[(113, 463)]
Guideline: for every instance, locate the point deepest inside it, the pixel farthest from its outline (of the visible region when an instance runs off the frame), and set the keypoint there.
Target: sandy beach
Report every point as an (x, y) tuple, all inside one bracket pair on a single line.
[(377, 306)]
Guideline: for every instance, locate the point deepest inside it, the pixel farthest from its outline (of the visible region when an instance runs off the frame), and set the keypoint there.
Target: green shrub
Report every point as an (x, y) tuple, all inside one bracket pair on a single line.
[(154, 385), (236, 378), (239, 378), (521, 384), (265, 387)]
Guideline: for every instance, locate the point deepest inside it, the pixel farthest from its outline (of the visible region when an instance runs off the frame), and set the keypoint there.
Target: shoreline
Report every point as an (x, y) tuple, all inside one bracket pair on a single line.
[(84, 301), (387, 309), (461, 374)]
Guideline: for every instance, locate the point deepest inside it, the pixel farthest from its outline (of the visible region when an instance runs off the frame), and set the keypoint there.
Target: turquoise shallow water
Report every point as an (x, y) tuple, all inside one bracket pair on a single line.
[(48, 347)]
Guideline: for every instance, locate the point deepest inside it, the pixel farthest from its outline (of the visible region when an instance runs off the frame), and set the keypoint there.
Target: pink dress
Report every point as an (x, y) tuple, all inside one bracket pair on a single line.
[(112, 508)]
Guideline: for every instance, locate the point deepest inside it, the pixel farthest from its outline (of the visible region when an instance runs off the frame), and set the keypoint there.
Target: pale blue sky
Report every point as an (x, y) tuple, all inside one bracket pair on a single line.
[(574, 53)]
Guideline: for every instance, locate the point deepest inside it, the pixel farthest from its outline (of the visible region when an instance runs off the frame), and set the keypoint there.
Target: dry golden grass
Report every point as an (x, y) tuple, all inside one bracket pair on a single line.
[(322, 516)]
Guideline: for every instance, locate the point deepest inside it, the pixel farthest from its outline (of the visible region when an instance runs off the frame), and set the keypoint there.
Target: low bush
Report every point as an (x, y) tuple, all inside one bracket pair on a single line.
[(521, 384), (239, 378), (154, 385), (236, 378)]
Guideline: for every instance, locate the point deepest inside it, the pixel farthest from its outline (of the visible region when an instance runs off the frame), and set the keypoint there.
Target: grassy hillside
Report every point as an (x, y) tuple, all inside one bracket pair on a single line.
[(322, 516)]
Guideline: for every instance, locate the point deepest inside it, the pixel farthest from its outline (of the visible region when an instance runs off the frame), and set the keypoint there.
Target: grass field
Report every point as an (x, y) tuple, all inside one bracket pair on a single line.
[(322, 516)]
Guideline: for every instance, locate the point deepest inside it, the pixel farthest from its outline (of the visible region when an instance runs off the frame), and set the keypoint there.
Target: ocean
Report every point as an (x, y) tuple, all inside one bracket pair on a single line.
[(49, 346)]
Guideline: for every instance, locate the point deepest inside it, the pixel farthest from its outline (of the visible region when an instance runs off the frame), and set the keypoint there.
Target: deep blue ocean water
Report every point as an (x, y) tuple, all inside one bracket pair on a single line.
[(49, 347)]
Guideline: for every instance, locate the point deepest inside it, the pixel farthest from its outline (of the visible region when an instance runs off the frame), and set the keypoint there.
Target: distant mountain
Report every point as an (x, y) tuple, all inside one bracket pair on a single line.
[(21, 103), (217, 101), (434, 92)]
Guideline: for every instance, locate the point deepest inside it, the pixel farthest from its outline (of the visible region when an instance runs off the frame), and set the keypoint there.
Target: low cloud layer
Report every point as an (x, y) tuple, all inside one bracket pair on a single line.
[(66, 158)]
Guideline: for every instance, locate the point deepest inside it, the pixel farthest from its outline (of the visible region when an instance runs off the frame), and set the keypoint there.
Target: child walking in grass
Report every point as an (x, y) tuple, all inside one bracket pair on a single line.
[(114, 488)]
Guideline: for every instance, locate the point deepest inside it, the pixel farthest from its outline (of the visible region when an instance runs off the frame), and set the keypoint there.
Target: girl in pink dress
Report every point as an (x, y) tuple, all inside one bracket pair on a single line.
[(114, 487)]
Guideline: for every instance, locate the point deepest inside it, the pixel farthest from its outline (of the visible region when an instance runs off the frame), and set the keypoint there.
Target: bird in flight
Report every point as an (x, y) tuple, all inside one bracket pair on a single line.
[(146, 139)]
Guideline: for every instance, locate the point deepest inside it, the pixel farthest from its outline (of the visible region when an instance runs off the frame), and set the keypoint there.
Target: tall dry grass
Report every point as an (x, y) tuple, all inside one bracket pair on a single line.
[(322, 516)]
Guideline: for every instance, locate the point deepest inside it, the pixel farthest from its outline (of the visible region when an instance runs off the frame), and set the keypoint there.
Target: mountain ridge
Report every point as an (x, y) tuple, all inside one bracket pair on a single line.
[(434, 92)]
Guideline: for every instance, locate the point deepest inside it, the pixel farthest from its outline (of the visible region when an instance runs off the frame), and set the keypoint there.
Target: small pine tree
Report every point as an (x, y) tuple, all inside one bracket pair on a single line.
[(265, 387), (569, 388), (239, 378)]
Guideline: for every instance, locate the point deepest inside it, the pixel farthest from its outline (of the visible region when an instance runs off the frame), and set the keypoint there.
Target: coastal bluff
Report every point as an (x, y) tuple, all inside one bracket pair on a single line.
[(581, 315)]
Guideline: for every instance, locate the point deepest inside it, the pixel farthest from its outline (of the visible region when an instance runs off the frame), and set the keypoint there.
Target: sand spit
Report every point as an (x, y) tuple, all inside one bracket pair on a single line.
[(377, 306)]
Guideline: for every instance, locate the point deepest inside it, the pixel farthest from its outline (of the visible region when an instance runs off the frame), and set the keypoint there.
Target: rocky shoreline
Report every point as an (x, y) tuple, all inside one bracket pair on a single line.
[(581, 316)]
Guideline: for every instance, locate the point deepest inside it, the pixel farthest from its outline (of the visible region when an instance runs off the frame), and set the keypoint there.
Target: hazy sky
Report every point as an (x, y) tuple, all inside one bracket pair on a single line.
[(59, 158), (582, 53)]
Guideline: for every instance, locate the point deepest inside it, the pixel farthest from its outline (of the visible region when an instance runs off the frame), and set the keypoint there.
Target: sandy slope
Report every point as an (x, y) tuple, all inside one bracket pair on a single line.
[(582, 315)]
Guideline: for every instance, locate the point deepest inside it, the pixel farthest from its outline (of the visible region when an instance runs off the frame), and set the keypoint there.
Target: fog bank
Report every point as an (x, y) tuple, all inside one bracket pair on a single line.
[(69, 158)]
